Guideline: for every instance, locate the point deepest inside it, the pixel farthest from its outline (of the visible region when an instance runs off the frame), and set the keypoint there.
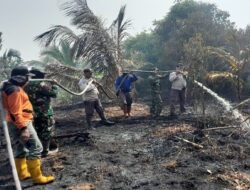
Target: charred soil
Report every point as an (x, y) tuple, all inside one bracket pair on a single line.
[(142, 152)]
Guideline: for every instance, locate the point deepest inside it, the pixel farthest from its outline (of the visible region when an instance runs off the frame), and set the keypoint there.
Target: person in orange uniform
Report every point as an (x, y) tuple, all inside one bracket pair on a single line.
[(26, 144)]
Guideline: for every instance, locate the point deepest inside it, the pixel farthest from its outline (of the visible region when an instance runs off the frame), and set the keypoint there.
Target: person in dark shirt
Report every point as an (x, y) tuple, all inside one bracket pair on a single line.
[(123, 89)]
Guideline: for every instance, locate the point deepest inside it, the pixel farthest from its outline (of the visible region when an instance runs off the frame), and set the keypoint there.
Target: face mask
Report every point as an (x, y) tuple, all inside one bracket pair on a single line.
[(19, 80)]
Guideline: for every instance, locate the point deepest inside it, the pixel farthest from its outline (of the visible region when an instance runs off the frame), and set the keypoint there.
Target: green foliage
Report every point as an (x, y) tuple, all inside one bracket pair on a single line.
[(64, 98), (184, 21), (9, 60), (144, 47), (163, 46), (62, 54)]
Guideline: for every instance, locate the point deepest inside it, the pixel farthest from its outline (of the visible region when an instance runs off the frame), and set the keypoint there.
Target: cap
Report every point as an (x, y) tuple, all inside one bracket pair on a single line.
[(21, 70), (179, 65), (156, 69), (125, 72), (87, 70), (37, 72)]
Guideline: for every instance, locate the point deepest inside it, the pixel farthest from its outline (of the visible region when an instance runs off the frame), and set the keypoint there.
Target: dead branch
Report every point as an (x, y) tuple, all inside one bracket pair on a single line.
[(219, 128), (72, 135), (243, 102), (248, 117), (189, 142)]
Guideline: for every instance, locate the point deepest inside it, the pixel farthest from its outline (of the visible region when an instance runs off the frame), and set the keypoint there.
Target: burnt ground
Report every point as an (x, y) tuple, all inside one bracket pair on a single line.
[(142, 153)]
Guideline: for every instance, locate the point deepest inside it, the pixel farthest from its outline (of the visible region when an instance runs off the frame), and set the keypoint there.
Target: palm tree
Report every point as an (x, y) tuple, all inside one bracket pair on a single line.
[(62, 54), (94, 43), (237, 63), (9, 60)]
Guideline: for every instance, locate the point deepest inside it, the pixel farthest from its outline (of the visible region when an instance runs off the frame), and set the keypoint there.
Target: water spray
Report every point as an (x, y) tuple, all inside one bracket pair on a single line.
[(227, 105)]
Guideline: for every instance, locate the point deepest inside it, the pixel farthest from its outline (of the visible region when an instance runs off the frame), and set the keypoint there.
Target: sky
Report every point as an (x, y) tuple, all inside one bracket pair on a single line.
[(22, 20)]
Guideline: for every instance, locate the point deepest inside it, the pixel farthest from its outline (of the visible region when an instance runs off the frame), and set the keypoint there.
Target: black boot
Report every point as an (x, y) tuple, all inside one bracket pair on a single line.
[(173, 115), (45, 151), (89, 123), (182, 110), (53, 144), (106, 122)]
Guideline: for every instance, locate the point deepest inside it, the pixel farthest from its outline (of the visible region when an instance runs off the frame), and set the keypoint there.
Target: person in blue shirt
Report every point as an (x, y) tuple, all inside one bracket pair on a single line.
[(123, 91)]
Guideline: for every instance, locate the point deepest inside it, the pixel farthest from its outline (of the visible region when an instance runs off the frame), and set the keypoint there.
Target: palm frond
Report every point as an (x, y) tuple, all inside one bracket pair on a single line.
[(97, 40), (225, 55), (118, 31), (35, 63), (63, 69), (94, 43), (56, 34)]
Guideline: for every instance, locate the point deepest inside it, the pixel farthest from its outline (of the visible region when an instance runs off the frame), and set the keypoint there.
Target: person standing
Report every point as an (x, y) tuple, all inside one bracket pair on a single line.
[(91, 99), (123, 88), (26, 144), (40, 95), (155, 82), (179, 83)]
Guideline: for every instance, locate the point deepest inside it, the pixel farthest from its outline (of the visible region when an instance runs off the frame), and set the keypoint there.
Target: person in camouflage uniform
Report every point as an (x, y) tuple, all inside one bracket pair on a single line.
[(156, 106), (40, 95)]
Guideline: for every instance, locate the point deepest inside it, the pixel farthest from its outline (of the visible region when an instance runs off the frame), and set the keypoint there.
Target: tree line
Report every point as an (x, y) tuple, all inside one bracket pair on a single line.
[(198, 34)]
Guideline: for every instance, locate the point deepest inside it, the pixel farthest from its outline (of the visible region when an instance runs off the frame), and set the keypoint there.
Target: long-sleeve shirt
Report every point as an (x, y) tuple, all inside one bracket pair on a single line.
[(178, 81), (126, 86), (17, 104), (40, 95), (91, 93)]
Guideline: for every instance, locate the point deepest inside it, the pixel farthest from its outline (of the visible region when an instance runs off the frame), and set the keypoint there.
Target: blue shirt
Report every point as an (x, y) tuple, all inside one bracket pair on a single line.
[(126, 86)]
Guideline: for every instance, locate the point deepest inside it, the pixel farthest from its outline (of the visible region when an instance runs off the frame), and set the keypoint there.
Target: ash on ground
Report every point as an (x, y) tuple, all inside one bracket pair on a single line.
[(142, 152)]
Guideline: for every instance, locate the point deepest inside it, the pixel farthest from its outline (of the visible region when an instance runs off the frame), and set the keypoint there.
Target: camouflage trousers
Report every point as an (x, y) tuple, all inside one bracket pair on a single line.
[(45, 126), (156, 106), (125, 99)]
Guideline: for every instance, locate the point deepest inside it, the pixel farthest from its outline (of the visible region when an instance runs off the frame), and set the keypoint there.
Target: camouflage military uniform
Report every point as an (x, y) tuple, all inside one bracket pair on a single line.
[(40, 95), (156, 106)]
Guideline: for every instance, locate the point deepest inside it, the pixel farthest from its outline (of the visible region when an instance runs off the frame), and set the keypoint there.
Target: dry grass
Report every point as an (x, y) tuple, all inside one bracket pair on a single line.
[(238, 180), (86, 186), (137, 110), (172, 165), (173, 130)]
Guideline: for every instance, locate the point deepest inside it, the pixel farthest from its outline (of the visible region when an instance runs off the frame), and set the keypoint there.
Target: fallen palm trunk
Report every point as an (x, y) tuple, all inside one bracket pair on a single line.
[(189, 142)]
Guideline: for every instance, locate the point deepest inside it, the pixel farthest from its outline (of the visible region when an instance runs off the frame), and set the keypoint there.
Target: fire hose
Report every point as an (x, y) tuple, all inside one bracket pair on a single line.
[(6, 131), (9, 147)]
